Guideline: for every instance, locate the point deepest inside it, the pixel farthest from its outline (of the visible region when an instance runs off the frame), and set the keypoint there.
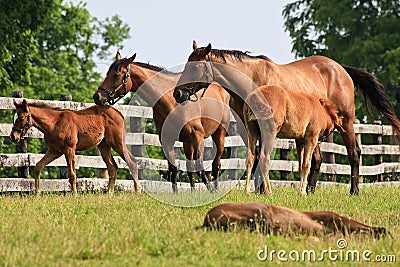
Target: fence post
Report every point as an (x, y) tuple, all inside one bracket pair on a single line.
[(358, 138), (135, 126), (378, 159), (394, 158), (285, 155), (232, 174), (64, 169), (22, 145), (329, 157)]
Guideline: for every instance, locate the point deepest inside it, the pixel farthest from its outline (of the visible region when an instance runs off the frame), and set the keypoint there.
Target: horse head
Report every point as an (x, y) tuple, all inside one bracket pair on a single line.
[(197, 74), (22, 121), (117, 82)]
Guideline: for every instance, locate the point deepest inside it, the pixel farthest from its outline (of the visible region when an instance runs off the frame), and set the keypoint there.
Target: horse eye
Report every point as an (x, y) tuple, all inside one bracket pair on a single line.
[(116, 75)]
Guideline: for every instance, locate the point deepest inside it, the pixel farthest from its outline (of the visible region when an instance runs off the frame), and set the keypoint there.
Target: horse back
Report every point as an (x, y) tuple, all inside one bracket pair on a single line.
[(296, 112)]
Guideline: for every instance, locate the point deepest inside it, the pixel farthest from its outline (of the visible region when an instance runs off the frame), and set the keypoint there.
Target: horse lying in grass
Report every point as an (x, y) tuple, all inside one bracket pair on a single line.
[(280, 113), (68, 131), (269, 219)]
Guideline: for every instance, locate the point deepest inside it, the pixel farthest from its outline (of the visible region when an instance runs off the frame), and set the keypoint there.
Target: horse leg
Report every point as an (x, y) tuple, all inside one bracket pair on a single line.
[(70, 158), (173, 176), (353, 152), (172, 173), (304, 151), (253, 135), (47, 158), (198, 157), (106, 154), (130, 160), (189, 151), (219, 140), (316, 162), (268, 135)]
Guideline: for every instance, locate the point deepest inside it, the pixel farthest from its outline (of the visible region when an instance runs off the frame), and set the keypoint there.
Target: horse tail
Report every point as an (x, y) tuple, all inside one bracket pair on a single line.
[(373, 88), (333, 113)]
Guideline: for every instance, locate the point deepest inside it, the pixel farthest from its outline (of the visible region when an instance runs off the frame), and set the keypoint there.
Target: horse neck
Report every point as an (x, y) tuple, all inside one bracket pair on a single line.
[(242, 76), (155, 87), (43, 119)]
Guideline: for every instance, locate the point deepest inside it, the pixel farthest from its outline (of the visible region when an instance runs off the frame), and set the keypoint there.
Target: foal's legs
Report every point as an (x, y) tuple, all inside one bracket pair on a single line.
[(316, 162), (130, 160), (268, 135), (106, 154), (47, 158), (70, 158), (304, 151)]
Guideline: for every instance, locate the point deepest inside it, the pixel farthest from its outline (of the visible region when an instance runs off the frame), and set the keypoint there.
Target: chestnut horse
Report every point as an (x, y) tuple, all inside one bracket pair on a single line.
[(191, 123), (240, 74), (269, 219), (297, 115), (67, 131)]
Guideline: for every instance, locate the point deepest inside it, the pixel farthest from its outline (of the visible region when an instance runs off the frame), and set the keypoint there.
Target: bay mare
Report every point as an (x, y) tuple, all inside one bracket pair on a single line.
[(240, 74), (190, 123), (67, 131), (298, 115)]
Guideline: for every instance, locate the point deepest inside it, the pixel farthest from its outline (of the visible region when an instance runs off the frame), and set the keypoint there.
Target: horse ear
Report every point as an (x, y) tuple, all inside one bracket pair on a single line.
[(25, 105), (128, 61), (208, 49), (132, 58), (194, 45), (117, 56)]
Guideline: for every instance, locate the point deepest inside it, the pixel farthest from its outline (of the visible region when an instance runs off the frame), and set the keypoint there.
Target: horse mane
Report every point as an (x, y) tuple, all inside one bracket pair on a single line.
[(115, 65), (38, 104), (149, 66), (221, 53)]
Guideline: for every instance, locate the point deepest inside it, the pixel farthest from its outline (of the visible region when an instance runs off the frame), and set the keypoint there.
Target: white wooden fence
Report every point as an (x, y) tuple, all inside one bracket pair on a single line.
[(141, 139)]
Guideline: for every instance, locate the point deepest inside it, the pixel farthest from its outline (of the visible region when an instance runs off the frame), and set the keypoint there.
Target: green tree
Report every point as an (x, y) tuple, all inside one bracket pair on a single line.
[(48, 47), (360, 33), (53, 52)]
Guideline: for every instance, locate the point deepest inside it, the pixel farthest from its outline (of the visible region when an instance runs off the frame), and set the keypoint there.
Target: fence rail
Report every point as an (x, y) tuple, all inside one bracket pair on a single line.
[(141, 139)]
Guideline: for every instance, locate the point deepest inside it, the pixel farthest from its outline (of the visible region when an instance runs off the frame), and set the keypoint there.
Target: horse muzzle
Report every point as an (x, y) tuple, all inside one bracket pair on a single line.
[(99, 99), (15, 137), (181, 95)]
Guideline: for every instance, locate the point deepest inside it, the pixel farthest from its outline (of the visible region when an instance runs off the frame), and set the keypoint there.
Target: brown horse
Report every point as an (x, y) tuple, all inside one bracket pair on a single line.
[(297, 115), (240, 74), (190, 123), (67, 131), (269, 219)]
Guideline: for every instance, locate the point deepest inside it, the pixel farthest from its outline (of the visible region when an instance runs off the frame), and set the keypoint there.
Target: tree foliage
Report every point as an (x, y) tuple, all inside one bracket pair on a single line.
[(50, 46), (360, 33)]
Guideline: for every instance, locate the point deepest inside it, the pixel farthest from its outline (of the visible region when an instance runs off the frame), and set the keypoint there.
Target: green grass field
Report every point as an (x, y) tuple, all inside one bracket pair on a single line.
[(128, 230)]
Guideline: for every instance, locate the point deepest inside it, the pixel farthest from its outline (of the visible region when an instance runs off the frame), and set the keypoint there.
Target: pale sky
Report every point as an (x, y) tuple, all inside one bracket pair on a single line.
[(162, 31)]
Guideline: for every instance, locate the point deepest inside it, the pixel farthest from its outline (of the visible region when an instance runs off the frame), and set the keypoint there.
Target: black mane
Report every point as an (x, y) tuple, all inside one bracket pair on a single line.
[(221, 53), (115, 66)]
